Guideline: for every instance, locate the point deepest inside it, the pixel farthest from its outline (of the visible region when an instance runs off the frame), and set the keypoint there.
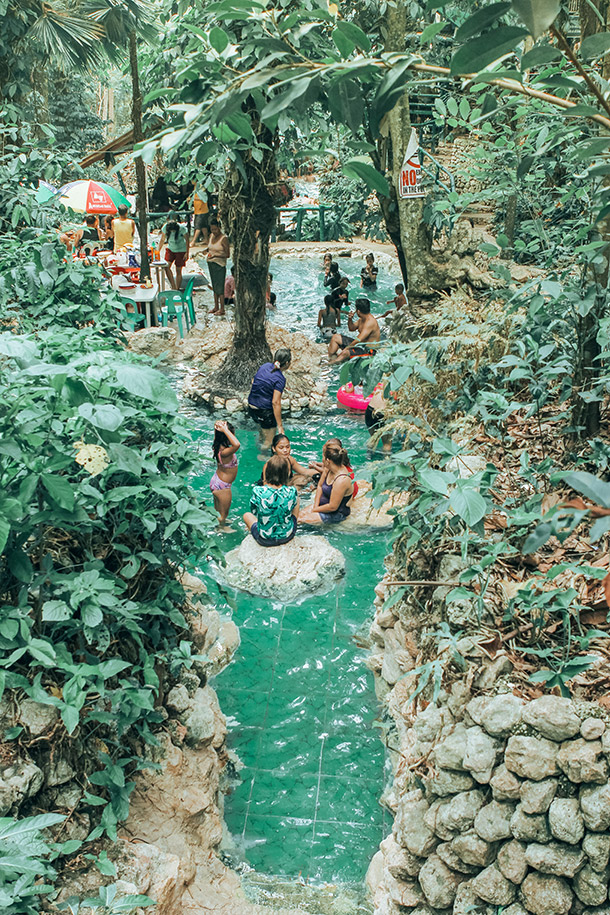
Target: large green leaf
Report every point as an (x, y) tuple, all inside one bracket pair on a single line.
[(218, 39), (595, 45), (436, 480), (538, 15), (149, 384), (20, 565), (481, 20), (596, 490), (345, 45), (70, 717), (55, 611), (356, 168), (285, 99), (543, 54), (14, 829), (346, 103), (103, 416), (5, 530), (390, 90), (355, 34), (59, 489), (468, 504), (479, 53)]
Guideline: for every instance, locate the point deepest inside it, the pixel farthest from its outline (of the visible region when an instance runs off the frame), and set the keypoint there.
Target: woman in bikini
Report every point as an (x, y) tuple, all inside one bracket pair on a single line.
[(335, 490), (224, 448), (318, 466)]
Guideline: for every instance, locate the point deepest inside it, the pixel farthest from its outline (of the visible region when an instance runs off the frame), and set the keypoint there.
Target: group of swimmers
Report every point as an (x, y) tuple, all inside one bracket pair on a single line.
[(275, 502), (361, 322)]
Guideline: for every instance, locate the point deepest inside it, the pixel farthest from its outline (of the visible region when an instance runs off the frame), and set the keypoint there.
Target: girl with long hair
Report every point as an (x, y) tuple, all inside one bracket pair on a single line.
[(265, 397), (224, 448), (335, 490)]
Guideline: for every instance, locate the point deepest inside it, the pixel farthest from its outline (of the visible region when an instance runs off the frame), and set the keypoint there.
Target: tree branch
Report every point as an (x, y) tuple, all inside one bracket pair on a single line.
[(565, 47)]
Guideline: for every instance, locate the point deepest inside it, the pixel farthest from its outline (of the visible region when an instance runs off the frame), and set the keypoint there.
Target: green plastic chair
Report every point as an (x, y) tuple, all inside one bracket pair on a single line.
[(187, 299), (128, 320), (184, 298), (173, 310)]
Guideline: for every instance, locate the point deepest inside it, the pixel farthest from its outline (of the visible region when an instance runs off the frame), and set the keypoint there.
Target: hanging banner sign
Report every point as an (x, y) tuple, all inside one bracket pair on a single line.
[(410, 178)]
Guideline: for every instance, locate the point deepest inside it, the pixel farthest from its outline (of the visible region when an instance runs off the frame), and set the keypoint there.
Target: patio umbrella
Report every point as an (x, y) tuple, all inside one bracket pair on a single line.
[(92, 197)]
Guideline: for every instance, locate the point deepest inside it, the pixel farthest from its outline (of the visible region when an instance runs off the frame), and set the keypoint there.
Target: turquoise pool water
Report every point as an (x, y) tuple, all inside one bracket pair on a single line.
[(300, 291), (299, 699)]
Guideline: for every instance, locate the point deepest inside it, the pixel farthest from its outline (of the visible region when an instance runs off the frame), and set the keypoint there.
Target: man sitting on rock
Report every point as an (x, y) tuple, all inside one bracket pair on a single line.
[(342, 347)]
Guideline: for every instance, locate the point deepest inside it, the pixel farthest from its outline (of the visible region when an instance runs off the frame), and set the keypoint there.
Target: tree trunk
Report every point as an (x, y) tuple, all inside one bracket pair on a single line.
[(424, 275), (138, 136), (586, 415), (247, 205)]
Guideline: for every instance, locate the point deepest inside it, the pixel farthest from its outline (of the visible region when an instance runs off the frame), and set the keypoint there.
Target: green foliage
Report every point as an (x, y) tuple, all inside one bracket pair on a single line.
[(96, 516), (26, 862), (42, 286)]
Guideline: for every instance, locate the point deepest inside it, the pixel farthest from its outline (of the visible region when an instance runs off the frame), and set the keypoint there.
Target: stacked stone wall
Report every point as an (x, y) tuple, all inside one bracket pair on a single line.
[(500, 803)]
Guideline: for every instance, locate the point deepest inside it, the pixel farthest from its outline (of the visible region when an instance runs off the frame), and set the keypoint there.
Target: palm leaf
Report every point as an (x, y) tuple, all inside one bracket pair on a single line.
[(70, 41)]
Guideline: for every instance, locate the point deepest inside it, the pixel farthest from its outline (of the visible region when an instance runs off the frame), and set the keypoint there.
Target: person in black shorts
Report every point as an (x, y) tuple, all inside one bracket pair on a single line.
[(265, 397), (342, 347)]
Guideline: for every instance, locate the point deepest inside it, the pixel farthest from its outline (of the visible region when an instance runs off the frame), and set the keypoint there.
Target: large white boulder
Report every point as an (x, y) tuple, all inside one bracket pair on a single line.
[(306, 564)]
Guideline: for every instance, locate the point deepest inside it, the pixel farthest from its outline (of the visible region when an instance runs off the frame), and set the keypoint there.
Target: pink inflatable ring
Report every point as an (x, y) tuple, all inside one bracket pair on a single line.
[(352, 399)]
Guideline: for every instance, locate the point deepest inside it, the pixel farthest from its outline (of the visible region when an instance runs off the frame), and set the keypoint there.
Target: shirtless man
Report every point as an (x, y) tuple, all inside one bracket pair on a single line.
[(368, 332)]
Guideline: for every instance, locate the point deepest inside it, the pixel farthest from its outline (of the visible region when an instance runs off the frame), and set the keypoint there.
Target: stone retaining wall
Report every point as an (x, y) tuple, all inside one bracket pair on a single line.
[(498, 801)]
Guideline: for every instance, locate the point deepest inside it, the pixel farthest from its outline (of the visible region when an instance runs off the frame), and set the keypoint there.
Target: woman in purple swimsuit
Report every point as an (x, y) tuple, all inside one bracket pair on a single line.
[(335, 490), (224, 448)]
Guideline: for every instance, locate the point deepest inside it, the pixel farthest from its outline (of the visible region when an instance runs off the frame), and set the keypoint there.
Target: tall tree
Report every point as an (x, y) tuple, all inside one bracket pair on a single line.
[(247, 205), (123, 23)]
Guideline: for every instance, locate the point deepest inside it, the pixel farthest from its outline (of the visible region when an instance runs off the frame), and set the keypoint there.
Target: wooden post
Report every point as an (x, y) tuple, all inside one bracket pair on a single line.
[(299, 223)]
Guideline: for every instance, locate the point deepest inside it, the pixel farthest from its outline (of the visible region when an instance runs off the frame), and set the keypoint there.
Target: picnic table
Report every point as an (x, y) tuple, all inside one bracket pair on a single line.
[(141, 296)]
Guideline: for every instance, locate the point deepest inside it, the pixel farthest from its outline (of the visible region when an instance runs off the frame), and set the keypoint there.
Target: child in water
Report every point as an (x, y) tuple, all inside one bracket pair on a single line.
[(399, 299), (224, 448), (299, 476), (329, 318)]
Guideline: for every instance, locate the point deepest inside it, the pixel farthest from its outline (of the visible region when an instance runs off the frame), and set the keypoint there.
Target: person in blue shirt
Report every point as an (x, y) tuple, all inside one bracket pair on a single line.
[(265, 397)]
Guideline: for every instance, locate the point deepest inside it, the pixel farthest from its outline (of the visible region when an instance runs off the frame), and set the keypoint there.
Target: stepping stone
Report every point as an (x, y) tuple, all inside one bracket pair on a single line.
[(306, 565)]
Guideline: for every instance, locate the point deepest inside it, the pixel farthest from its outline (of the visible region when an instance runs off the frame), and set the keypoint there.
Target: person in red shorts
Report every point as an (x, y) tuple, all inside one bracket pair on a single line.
[(176, 237)]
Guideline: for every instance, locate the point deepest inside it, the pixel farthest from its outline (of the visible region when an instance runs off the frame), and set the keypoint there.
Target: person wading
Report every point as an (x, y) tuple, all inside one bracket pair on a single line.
[(265, 397)]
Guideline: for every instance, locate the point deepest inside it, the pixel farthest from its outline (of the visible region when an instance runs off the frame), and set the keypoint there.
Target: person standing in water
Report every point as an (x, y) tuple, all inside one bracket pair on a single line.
[(265, 397), (329, 318), (219, 252), (368, 274), (224, 449)]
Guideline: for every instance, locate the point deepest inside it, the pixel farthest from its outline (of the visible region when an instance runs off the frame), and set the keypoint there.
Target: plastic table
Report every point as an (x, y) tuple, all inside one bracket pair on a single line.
[(146, 297)]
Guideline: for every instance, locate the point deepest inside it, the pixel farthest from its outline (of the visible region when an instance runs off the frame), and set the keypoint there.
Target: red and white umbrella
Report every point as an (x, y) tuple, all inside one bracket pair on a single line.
[(92, 197)]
